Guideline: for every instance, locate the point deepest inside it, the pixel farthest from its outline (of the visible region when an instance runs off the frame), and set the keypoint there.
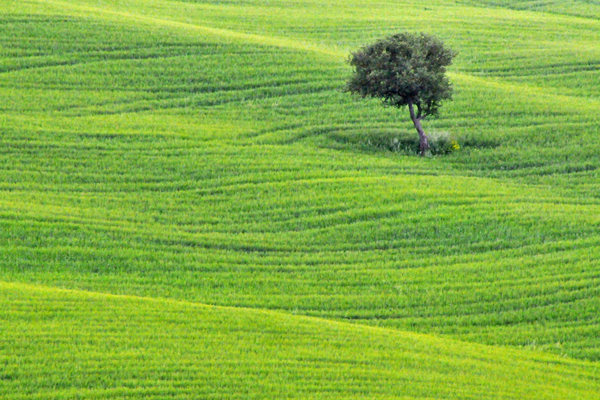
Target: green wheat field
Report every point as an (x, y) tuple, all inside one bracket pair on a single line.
[(191, 207)]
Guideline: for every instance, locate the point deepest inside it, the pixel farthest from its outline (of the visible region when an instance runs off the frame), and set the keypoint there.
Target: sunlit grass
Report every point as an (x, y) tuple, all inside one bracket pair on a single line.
[(93, 345), (205, 152)]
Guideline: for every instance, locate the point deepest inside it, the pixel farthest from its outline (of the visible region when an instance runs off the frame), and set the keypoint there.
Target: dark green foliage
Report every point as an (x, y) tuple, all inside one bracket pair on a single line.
[(401, 69)]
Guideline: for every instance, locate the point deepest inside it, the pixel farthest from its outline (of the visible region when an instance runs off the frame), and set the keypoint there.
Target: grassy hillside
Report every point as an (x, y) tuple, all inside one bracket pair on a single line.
[(102, 346), (587, 9), (202, 151)]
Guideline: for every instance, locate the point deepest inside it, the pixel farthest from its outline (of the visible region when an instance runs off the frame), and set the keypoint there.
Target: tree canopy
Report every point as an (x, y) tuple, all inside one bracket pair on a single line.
[(404, 70)]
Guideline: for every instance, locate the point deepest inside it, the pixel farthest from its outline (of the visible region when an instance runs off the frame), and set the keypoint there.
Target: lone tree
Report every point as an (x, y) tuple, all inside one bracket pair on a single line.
[(404, 70)]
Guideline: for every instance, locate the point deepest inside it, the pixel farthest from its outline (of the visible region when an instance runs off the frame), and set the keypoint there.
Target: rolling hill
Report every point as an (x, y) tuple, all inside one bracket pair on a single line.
[(194, 167)]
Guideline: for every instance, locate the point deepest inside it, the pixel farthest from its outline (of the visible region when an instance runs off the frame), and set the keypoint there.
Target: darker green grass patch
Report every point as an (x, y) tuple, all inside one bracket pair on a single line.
[(405, 142)]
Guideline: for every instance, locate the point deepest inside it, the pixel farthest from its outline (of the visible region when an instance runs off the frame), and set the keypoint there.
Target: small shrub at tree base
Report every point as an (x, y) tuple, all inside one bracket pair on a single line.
[(442, 143)]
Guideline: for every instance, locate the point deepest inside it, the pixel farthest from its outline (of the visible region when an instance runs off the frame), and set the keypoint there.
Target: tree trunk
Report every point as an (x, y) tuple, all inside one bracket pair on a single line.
[(423, 139)]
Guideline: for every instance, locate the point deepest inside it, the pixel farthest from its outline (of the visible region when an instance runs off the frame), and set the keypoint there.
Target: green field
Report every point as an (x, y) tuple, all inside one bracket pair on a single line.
[(191, 206)]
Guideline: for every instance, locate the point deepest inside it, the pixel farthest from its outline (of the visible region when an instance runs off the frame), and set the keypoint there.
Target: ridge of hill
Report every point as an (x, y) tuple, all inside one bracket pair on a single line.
[(585, 9), (64, 343)]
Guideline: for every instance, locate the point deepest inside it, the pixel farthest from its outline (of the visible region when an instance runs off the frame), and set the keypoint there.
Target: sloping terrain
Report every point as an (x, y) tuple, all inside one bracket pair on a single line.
[(66, 344), (203, 152)]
